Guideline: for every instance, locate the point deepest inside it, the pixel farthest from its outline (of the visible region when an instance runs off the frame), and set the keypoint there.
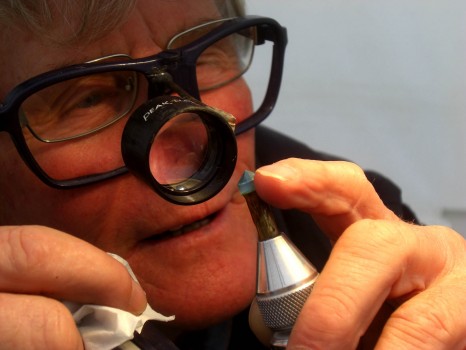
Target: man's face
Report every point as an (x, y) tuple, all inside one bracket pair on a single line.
[(202, 275)]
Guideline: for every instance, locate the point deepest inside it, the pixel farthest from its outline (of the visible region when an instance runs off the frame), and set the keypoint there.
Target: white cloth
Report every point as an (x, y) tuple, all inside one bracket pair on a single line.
[(104, 327)]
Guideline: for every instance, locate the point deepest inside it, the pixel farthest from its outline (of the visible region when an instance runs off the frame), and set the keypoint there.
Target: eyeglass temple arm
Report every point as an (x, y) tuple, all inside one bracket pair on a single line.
[(278, 36)]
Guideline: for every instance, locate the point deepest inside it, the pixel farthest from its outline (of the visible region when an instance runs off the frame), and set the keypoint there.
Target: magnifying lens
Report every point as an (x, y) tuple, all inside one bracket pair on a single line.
[(185, 150)]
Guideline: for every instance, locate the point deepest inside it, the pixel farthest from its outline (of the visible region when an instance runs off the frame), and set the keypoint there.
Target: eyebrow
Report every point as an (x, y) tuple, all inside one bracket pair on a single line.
[(68, 63), (60, 65)]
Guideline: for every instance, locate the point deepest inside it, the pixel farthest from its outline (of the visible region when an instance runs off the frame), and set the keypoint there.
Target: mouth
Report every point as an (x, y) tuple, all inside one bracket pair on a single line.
[(179, 231)]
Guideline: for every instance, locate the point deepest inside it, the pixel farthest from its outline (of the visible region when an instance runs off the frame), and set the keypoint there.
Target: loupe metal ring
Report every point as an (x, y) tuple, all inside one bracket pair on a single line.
[(221, 151)]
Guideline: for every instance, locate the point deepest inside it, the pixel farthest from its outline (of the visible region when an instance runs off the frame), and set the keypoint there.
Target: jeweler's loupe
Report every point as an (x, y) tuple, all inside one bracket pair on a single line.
[(185, 150)]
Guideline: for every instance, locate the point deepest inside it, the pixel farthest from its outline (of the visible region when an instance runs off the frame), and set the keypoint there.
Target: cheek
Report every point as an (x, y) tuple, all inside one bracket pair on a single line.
[(96, 153), (235, 98), (24, 199), (19, 188)]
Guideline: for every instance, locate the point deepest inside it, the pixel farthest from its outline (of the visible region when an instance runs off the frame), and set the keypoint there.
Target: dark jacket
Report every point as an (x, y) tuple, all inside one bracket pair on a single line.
[(272, 146)]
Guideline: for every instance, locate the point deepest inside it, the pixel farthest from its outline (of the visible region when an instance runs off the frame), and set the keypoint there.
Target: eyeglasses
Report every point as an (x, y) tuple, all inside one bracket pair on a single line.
[(66, 124)]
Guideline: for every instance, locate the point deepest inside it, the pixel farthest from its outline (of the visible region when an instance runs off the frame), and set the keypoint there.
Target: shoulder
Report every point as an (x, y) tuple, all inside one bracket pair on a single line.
[(272, 146)]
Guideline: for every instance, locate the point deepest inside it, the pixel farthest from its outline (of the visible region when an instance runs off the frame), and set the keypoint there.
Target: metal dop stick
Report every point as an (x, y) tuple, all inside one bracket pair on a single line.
[(285, 277)]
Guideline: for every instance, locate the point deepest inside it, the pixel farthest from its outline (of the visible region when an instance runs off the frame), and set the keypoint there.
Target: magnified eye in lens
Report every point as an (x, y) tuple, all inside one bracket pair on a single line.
[(179, 150), (186, 151)]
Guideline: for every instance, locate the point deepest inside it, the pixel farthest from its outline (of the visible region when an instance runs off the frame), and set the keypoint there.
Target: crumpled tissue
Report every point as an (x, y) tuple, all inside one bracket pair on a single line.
[(104, 327)]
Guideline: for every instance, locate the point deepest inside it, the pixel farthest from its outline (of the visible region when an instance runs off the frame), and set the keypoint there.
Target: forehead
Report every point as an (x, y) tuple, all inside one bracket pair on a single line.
[(145, 30)]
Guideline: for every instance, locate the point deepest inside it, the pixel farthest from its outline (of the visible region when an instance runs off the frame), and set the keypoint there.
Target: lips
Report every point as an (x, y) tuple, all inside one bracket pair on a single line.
[(184, 229)]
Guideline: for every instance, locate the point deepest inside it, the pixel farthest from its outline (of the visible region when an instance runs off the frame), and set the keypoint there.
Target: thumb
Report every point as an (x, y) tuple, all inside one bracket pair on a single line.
[(257, 324), (336, 194)]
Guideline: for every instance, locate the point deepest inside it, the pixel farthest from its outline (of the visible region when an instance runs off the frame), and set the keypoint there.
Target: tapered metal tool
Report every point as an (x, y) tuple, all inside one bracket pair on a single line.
[(285, 277)]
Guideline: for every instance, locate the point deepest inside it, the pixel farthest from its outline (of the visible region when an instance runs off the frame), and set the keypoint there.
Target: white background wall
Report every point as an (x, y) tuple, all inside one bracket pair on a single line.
[(382, 82)]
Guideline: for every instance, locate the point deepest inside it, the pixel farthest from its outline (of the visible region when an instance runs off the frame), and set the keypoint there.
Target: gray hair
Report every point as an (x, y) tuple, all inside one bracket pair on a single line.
[(81, 18), (84, 19)]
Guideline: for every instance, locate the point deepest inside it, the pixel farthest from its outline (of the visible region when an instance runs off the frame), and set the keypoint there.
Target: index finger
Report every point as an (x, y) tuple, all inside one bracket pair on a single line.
[(335, 193), (39, 260)]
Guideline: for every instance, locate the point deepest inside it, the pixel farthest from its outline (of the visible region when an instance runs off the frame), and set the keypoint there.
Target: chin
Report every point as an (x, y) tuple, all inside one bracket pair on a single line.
[(204, 316), (202, 305), (205, 286), (205, 275)]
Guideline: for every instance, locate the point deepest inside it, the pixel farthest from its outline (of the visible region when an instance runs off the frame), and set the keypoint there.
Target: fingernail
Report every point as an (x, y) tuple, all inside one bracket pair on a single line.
[(138, 301), (278, 171)]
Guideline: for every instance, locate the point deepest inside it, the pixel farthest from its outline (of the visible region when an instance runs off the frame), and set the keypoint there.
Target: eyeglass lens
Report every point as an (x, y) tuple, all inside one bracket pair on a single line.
[(79, 122), (179, 149), (79, 106)]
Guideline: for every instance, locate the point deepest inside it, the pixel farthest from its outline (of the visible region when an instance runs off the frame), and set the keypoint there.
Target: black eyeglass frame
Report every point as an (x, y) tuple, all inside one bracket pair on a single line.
[(179, 63)]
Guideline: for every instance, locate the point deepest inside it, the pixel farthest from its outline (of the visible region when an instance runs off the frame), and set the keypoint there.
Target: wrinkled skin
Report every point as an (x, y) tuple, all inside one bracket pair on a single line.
[(208, 275), (122, 215)]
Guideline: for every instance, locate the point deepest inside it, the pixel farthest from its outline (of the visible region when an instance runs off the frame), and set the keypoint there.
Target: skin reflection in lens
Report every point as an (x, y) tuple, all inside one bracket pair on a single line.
[(179, 149)]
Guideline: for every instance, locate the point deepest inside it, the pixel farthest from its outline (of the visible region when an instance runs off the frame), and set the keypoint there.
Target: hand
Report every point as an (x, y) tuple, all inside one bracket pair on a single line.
[(378, 261), (40, 266)]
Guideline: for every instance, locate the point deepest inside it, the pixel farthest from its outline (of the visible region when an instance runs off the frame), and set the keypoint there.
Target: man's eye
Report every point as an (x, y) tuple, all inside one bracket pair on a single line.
[(90, 101)]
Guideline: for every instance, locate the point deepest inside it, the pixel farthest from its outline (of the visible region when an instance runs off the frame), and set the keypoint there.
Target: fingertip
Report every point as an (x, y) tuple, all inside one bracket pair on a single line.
[(257, 325), (138, 299), (276, 182), (280, 171)]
